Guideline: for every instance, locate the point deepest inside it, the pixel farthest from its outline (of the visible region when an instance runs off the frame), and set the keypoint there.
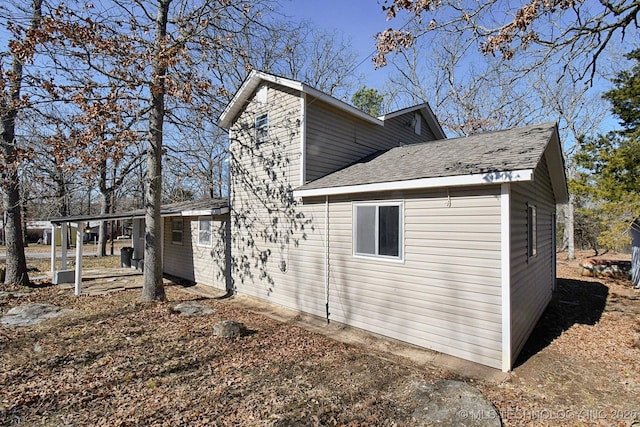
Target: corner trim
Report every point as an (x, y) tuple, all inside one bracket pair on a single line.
[(505, 267)]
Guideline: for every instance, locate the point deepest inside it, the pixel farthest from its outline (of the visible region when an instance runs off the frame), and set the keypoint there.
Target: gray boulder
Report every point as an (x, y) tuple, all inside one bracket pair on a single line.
[(31, 314), (191, 308), (453, 403)]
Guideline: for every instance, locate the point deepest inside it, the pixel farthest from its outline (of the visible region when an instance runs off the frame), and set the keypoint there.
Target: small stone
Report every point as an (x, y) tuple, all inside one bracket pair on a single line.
[(229, 329)]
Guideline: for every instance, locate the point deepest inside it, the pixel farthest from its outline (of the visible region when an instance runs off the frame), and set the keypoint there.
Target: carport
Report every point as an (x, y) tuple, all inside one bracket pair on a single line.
[(206, 207)]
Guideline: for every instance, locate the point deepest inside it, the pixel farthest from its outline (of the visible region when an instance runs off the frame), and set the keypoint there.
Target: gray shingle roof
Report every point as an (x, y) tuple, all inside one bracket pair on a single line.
[(499, 151)]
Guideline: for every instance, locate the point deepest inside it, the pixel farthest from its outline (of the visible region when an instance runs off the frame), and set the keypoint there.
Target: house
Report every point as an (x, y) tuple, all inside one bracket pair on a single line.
[(385, 225)]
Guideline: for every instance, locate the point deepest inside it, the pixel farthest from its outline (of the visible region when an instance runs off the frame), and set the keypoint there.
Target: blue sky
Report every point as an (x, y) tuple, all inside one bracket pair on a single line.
[(357, 20)]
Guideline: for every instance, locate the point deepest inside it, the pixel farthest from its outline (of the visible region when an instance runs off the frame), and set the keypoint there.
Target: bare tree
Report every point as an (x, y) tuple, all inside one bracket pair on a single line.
[(573, 33), (11, 103)]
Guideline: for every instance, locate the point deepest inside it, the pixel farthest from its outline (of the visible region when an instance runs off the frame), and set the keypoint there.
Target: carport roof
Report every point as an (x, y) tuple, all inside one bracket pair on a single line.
[(214, 206)]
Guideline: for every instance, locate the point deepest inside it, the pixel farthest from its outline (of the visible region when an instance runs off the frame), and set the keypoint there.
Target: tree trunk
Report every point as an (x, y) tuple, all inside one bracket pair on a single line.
[(569, 233), (568, 227), (153, 288), (105, 207), (16, 261)]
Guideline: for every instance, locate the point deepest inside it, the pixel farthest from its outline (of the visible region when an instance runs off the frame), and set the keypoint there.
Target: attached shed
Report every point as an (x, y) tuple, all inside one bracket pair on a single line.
[(448, 244)]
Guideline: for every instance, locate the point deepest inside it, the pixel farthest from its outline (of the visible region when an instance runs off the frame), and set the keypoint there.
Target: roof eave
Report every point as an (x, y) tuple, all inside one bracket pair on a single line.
[(422, 183), (557, 172), (201, 212)]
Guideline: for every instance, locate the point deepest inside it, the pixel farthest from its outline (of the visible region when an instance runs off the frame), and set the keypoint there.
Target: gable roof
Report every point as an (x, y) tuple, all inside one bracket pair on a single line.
[(487, 158), (255, 79), (213, 206), (426, 112)]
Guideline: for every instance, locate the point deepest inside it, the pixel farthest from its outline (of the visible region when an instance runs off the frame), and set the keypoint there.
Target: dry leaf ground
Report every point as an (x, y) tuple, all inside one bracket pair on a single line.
[(115, 361)]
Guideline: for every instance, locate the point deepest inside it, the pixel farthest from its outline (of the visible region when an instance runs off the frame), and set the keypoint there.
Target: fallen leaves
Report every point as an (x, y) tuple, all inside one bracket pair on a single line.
[(115, 362)]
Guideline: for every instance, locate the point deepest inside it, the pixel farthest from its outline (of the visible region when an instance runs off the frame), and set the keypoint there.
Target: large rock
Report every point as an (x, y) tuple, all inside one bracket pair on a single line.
[(31, 314), (229, 329), (453, 403), (191, 308), (606, 268)]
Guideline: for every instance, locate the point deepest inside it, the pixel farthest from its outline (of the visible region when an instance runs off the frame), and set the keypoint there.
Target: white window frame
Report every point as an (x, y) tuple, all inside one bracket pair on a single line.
[(532, 231), (261, 128), (175, 230), (201, 241), (376, 255)]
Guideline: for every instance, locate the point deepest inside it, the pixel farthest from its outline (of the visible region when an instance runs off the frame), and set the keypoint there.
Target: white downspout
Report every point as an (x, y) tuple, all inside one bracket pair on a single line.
[(303, 138), (326, 255)]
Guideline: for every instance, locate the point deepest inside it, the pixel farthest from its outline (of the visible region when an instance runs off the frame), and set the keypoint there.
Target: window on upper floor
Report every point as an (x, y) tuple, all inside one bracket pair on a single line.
[(532, 231), (377, 230), (262, 128), (417, 126)]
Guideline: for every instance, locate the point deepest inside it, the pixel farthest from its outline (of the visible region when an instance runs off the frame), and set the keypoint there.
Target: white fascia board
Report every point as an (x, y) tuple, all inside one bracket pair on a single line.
[(445, 181), (242, 95), (202, 212)]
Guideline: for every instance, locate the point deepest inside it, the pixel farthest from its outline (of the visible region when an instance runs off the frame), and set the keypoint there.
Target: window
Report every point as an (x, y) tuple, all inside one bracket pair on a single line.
[(417, 127), (176, 231), (204, 231), (262, 128), (532, 233), (378, 230)]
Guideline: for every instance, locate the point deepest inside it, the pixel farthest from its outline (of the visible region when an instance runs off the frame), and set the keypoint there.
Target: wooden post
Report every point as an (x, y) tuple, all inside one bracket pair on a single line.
[(79, 236)]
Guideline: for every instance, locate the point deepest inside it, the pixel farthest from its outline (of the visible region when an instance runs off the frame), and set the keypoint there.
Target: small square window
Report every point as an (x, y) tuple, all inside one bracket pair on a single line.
[(262, 128), (204, 231), (532, 232), (176, 231), (378, 230)]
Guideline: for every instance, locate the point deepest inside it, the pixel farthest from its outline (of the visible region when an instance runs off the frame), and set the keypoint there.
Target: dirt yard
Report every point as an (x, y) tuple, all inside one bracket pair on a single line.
[(115, 361)]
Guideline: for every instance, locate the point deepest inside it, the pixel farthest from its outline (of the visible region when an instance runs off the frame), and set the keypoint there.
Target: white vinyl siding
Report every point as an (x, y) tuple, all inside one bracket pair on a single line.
[(277, 249), (335, 140), (446, 296), (531, 277), (194, 263)]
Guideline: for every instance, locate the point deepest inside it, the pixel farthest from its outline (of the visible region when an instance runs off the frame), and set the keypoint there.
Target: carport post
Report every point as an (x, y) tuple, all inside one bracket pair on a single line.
[(53, 249), (79, 236), (63, 243)]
